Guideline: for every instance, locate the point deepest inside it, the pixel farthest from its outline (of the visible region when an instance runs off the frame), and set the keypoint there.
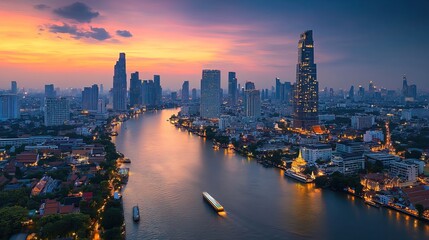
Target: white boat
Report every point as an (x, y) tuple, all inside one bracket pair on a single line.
[(298, 176)]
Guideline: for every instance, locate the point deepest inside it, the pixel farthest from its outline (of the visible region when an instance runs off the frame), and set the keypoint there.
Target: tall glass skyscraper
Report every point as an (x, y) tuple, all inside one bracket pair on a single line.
[(135, 90), (232, 88), (185, 91), (306, 97), (210, 97), (120, 84)]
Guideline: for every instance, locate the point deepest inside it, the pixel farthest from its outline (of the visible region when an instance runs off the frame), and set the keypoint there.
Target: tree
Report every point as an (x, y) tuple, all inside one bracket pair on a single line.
[(113, 234), (420, 209), (58, 225), (112, 217), (11, 219)]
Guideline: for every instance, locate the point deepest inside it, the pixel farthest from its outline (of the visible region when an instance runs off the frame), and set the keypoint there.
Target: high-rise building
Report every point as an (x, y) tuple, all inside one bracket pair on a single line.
[(90, 98), (9, 106), (232, 88), (149, 93), (404, 86), (210, 97), (194, 94), (13, 87), (50, 91), (185, 91), (252, 104), (135, 90), (284, 91), (249, 86), (101, 89), (352, 93), (158, 90), (306, 98), (57, 111), (101, 108), (120, 84)]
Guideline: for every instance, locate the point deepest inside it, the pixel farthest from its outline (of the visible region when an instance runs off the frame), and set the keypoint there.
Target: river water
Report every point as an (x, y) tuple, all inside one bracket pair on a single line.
[(171, 168)]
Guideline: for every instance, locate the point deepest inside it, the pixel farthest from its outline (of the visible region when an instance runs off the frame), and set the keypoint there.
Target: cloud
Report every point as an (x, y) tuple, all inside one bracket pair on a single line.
[(99, 34), (77, 11), (124, 33), (41, 7)]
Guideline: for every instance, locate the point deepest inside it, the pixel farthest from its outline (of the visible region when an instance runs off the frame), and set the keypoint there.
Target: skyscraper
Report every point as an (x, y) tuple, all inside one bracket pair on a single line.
[(232, 88), (252, 103), (135, 90), (306, 98), (120, 84), (13, 87), (90, 98), (249, 86), (194, 94), (149, 93), (352, 93), (185, 91), (9, 106), (158, 90), (50, 91), (210, 97), (57, 111), (404, 86)]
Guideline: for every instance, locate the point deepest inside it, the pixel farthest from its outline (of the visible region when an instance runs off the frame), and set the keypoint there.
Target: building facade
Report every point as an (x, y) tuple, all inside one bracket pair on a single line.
[(135, 90), (306, 95), (120, 84), (9, 106), (185, 91), (57, 111), (210, 94), (232, 88)]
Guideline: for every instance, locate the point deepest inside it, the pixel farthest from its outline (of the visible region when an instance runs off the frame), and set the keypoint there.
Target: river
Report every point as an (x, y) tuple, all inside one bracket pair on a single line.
[(171, 168)]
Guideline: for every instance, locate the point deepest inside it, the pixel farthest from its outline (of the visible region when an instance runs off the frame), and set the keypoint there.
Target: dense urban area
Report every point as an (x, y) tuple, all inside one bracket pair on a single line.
[(61, 176)]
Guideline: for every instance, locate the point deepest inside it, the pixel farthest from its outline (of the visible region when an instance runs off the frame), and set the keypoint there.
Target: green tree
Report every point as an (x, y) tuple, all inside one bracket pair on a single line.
[(11, 219), (58, 225), (112, 217), (113, 234)]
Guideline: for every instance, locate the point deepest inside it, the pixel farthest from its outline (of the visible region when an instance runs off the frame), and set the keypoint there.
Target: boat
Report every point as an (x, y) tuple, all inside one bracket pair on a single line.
[(298, 176), (114, 134), (372, 204), (126, 160), (136, 213), (215, 204)]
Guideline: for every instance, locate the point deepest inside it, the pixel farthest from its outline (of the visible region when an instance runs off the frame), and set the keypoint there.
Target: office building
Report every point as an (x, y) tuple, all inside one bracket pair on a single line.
[(57, 111), (90, 98), (185, 91), (50, 91), (362, 122), (252, 103), (194, 95), (232, 88), (306, 97), (316, 152), (158, 90), (9, 106), (135, 90), (120, 84), (210, 94), (149, 93), (13, 87)]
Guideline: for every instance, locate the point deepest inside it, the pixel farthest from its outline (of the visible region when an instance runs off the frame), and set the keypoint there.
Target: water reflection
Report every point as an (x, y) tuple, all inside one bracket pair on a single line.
[(170, 168)]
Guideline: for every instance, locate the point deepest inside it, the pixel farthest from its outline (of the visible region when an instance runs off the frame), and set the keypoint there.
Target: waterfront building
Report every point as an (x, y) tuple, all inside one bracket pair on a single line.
[(50, 91), (135, 90), (405, 170), (252, 103), (314, 152), (157, 90), (90, 98), (57, 111), (185, 91), (173, 96), (232, 88), (9, 106), (120, 84), (362, 122), (149, 93), (224, 122), (210, 97), (101, 108), (306, 97), (349, 163)]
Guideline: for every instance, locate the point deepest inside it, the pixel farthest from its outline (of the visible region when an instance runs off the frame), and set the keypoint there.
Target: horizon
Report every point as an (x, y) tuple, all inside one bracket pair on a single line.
[(62, 42)]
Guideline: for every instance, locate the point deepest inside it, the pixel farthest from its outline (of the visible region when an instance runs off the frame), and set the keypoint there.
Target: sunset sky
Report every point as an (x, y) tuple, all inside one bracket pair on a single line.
[(76, 44)]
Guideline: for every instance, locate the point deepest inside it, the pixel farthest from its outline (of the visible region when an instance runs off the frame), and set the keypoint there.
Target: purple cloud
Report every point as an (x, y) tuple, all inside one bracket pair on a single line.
[(77, 11), (99, 34), (124, 33), (41, 7)]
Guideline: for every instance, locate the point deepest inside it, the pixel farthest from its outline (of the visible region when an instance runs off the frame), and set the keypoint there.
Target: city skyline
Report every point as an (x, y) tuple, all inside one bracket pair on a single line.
[(258, 50)]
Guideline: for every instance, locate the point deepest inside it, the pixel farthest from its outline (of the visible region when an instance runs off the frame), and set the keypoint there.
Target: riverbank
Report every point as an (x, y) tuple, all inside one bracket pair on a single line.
[(222, 142)]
